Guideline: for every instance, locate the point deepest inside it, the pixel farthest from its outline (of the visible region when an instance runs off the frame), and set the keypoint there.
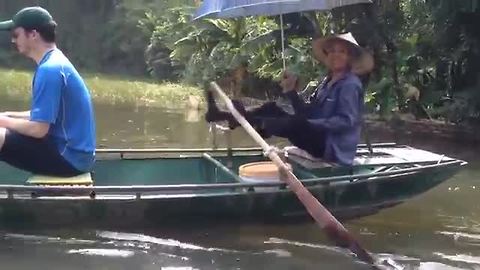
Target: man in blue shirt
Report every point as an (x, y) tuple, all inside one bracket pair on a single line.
[(328, 126), (57, 136)]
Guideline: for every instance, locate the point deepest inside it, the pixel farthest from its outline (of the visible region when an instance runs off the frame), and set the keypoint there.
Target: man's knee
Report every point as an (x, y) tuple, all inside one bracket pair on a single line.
[(3, 133)]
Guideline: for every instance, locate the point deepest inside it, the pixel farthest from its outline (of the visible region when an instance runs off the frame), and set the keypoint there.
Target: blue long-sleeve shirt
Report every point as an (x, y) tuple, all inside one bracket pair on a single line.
[(337, 111)]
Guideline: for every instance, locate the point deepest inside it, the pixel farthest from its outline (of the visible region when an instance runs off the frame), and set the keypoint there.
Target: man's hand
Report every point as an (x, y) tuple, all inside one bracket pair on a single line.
[(4, 120), (289, 82)]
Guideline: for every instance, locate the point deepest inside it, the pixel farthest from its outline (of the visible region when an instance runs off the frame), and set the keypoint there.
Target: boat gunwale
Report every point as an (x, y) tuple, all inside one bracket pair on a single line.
[(310, 183), (170, 153), (202, 150)]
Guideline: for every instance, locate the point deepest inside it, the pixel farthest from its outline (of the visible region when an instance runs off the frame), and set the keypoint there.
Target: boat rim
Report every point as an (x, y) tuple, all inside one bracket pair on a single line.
[(322, 181)]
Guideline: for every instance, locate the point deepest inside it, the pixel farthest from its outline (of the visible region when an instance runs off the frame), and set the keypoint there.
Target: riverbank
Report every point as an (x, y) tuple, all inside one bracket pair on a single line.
[(405, 128), (106, 89)]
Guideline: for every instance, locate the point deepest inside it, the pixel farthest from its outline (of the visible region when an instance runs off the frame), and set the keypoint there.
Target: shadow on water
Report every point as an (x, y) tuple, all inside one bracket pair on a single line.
[(437, 230)]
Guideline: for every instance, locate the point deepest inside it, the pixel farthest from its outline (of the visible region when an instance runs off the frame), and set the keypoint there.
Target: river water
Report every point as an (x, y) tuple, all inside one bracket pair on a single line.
[(437, 230)]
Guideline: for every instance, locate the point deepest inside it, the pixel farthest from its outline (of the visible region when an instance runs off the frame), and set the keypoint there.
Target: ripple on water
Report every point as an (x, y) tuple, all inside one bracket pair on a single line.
[(468, 238), (279, 253), (103, 252), (125, 245), (461, 258), (436, 266), (47, 239), (141, 238)]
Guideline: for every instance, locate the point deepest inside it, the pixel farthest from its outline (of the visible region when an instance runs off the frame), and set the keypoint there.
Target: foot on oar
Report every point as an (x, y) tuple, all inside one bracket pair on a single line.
[(215, 115)]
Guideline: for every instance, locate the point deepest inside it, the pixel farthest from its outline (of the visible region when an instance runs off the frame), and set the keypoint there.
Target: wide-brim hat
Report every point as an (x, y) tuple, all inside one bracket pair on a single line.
[(362, 61)]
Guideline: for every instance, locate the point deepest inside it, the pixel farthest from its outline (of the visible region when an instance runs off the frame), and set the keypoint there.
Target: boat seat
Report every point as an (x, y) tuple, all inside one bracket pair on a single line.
[(304, 159), (79, 180)]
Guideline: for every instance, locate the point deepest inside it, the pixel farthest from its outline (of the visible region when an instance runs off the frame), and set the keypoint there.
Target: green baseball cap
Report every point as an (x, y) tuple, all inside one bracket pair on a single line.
[(29, 17)]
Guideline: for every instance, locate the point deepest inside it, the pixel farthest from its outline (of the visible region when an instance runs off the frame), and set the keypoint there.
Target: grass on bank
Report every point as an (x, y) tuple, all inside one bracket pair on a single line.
[(106, 89)]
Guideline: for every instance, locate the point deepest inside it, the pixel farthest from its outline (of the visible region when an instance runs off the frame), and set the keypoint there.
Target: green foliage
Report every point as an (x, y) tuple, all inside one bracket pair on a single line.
[(96, 35), (431, 45), (447, 56), (219, 49)]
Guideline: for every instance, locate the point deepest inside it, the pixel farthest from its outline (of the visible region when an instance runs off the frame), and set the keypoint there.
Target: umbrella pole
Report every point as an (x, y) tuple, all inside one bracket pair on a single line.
[(282, 31), (333, 228)]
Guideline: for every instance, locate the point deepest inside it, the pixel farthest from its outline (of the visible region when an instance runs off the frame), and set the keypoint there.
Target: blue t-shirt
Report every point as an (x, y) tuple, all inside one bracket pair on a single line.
[(61, 98)]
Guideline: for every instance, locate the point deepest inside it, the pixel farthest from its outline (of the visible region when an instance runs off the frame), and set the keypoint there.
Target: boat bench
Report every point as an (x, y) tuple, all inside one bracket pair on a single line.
[(79, 180), (51, 181), (304, 159)]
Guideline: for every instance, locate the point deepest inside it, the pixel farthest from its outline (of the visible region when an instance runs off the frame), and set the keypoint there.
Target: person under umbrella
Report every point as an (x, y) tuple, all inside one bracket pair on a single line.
[(329, 125)]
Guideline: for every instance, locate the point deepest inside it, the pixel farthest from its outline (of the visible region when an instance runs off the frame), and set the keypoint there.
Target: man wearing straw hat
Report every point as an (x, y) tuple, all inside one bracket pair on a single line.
[(328, 126), (57, 136)]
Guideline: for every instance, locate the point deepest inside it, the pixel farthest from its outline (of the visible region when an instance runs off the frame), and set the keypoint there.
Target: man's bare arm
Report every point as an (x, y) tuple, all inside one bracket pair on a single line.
[(20, 115), (25, 127)]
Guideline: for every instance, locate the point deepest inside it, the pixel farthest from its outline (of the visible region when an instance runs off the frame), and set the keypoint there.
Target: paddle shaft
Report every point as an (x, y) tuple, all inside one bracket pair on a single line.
[(333, 228), (282, 31)]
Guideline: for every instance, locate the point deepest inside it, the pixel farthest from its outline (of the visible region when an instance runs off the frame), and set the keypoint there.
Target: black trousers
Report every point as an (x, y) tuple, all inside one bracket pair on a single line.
[(271, 120)]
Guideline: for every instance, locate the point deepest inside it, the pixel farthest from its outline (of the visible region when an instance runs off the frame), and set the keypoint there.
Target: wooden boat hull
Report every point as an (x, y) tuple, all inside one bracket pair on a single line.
[(347, 196)]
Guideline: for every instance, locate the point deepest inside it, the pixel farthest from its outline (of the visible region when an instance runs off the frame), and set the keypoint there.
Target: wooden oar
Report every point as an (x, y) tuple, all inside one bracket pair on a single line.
[(332, 227)]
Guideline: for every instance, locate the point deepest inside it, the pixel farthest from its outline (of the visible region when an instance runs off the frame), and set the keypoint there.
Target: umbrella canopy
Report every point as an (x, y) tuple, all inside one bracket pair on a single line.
[(240, 8), (208, 9)]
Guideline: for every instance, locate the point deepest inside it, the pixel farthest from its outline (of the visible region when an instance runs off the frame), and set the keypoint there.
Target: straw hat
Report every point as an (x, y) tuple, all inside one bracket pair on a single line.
[(363, 62)]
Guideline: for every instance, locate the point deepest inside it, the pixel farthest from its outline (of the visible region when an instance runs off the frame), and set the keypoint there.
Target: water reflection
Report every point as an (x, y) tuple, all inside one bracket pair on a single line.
[(193, 116), (141, 127)]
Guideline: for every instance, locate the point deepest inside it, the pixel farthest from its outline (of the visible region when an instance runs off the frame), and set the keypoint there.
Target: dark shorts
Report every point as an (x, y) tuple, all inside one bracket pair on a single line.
[(38, 156)]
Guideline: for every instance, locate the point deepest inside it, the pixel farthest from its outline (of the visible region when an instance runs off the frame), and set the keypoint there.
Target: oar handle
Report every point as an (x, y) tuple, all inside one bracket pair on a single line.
[(319, 213)]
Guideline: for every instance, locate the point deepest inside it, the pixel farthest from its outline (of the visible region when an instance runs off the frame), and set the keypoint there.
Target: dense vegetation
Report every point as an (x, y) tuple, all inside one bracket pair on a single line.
[(97, 35), (423, 48)]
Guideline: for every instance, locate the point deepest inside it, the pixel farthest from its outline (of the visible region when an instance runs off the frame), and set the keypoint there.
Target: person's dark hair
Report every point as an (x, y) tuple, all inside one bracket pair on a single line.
[(47, 31)]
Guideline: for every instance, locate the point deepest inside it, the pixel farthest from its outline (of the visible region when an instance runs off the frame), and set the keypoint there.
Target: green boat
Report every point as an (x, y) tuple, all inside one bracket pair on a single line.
[(155, 186)]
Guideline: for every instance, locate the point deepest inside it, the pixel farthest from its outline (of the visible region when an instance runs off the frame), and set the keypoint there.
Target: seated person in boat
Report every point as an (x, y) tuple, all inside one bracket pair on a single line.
[(329, 125), (57, 136)]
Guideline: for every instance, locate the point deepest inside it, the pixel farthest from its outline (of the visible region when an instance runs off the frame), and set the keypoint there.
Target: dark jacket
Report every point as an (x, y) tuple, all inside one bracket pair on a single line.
[(337, 111)]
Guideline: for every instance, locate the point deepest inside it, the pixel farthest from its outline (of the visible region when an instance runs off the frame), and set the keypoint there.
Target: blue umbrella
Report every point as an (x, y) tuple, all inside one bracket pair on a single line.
[(208, 9), (238, 8), (241, 8)]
